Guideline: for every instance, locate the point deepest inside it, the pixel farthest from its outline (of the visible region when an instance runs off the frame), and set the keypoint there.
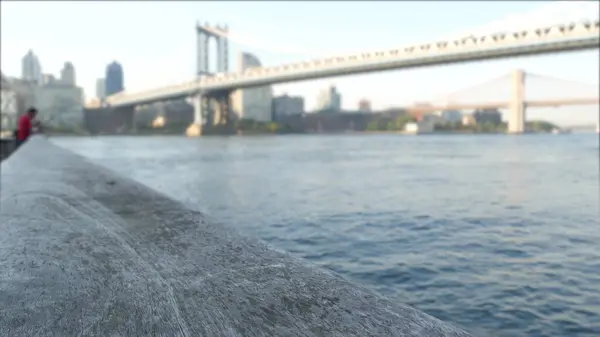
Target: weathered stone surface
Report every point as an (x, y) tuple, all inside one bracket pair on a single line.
[(85, 252)]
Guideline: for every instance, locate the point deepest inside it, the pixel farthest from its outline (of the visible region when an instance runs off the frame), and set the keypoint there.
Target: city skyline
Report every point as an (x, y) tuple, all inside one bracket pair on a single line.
[(32, 71), (175, 60)]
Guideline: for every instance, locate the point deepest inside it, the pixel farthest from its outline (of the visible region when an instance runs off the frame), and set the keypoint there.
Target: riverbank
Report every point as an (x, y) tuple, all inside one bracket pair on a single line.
[(256, 134), (145, 257), (442, 222), (459, 132)]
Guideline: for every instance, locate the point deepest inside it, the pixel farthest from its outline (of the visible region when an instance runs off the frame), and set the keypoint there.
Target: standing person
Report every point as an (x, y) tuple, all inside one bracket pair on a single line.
[(25, 125)]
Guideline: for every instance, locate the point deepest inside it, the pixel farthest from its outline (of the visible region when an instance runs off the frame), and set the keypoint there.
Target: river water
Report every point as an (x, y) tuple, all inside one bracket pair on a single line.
[(497, 234)]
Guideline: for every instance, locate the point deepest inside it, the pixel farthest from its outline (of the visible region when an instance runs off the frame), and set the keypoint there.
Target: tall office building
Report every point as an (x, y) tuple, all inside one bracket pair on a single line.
[(252, 103), (9, 109), (100, 88), (31, 70), (60, 104), (49, 79), (450, 116), (285, 105), (329, 100), (364, 105), (113, 79), (67, 74)]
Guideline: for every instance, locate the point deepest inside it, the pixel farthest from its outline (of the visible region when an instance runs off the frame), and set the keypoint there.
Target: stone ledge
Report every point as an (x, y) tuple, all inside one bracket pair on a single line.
[(84, 251)]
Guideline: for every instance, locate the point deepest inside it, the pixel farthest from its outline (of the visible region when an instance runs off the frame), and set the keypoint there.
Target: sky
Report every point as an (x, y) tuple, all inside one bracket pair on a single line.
[(156, 44)]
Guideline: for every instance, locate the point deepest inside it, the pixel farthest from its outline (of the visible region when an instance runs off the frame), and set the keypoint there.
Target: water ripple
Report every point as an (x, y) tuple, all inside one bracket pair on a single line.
[(497, 234)]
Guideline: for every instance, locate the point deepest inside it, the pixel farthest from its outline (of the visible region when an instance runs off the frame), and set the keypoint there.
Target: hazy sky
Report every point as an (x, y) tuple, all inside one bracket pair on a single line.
[(155, 42)]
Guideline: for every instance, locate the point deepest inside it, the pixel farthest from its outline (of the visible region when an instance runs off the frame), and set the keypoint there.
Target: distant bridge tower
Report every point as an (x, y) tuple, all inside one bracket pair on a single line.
[(203, 35), (518, 106)]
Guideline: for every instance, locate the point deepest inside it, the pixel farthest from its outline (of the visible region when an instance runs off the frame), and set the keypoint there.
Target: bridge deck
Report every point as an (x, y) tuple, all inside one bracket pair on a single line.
[(86, 252), (570, 36)]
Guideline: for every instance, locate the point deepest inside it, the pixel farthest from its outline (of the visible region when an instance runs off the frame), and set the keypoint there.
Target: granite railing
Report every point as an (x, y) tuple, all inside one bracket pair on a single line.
[(86, 252)]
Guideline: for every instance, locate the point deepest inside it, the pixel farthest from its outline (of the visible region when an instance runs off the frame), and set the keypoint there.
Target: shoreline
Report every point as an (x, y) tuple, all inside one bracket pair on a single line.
[(253, 134), (244, 279)]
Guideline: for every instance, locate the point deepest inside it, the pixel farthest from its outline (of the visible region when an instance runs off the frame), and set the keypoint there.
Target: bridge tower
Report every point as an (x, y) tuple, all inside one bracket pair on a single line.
[(517, 106), (203, 35), (210, 109)]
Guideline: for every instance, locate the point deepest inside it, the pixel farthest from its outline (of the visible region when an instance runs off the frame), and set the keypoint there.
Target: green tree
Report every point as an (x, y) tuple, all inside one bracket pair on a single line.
[(377, 125), (541, 126), (487, 127), (273, 127), (402, 120), (372, 126)]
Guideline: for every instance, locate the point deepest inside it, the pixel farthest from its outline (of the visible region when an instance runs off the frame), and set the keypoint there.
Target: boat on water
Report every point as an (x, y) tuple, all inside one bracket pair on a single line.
[(560, 131)]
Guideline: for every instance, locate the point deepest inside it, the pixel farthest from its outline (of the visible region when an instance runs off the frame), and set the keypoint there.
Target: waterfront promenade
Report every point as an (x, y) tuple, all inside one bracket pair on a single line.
[(85, 251), (446, 224)]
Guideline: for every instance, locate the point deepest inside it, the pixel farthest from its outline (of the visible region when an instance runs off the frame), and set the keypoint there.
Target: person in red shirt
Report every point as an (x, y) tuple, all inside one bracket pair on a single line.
[(25, 125)]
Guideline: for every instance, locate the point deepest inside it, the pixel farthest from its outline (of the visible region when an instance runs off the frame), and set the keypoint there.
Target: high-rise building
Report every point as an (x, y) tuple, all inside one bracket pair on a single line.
[(8, 105), (113, 79), (101, 88), (49, 79), (329, 100), (285, 105), (31, 70), (450, 116), (67, 74), (25, 92), (487, 116), (252, 103), (60, 104), (364, 105)]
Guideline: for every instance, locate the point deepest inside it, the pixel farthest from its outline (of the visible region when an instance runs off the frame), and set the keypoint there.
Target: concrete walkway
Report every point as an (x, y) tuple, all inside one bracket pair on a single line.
[(85, 252)]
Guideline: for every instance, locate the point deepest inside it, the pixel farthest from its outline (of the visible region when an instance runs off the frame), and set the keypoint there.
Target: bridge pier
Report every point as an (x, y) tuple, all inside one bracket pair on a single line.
[(199, 103), (211, 113), (222, 108), (124, 119), (517, 113)]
